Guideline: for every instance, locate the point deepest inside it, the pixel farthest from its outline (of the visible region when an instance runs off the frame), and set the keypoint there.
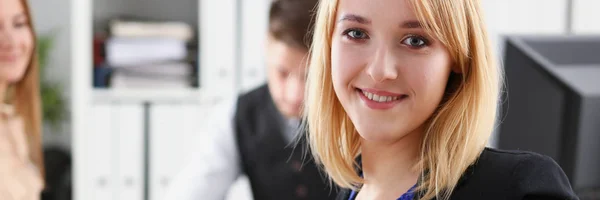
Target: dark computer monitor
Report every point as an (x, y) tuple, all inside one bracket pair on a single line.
[(552, 103)]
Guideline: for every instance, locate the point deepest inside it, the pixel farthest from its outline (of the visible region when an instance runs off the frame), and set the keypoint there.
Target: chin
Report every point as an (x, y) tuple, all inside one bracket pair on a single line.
[(382, 130), (377, 133), (12, 74), (373, 136), (289, 112), (16, 77), (11, 77)]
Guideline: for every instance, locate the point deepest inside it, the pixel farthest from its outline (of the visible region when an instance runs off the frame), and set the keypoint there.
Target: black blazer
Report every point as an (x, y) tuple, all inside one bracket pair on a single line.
[(508, 175)]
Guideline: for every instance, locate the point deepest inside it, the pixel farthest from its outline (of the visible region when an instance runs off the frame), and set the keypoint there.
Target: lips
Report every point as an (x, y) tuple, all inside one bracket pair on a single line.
[(8, 57), (378, 99)]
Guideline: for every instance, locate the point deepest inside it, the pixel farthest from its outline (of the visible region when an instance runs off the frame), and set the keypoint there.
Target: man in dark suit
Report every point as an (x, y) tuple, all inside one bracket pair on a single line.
[(256, 134)]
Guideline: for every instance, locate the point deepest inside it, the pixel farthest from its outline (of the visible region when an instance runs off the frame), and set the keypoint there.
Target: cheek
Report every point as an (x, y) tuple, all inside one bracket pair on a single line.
[(26, 45), (346, 64), (336, 65), (275, 82), (428, 82), (25, 40), (13, 72)]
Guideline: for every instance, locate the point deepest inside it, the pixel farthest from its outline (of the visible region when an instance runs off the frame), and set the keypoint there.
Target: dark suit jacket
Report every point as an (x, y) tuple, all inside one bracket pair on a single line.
[(502, 175)]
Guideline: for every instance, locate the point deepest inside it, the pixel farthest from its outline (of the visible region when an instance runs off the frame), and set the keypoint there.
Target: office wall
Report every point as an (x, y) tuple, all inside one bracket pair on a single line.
[(585, 17), (54, 17)]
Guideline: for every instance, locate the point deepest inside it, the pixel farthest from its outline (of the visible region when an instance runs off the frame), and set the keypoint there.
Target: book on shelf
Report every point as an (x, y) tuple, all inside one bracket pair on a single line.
[(120, 80), (161, 75), (149, 54), (132, 51), (169, 69), (145, 28)]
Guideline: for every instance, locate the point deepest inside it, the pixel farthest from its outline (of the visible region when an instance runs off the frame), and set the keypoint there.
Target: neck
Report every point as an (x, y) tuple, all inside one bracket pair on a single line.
[(388, 168)]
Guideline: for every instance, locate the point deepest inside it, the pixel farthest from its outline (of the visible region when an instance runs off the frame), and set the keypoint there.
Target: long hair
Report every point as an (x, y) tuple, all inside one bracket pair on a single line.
[(27, 101), (456, 133)]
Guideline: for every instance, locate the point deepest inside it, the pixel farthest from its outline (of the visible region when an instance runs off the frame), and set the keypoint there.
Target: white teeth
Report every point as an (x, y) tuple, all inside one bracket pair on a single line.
[(378, 98)]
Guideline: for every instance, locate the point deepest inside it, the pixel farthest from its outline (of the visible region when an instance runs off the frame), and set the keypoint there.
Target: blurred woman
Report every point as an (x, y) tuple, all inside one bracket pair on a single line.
[(21, 168)]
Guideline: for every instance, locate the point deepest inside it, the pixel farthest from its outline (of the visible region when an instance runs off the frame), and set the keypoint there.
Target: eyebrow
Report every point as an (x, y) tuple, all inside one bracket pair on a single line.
[(354, 18), (411, 24)]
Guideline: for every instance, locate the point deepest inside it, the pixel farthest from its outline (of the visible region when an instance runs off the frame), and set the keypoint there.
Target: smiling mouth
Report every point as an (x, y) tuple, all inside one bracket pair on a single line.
[(8, 58), (382, 97)]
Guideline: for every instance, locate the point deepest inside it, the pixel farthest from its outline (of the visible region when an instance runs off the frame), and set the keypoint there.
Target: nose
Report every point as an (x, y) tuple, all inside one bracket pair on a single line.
[(384, 66), (294, 93), (6, 40)]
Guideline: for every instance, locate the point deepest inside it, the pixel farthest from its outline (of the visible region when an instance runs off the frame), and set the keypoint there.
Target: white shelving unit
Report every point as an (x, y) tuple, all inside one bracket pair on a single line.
[(171, 143), (253, 72), (156, 96), (130, 143), (113, 166)]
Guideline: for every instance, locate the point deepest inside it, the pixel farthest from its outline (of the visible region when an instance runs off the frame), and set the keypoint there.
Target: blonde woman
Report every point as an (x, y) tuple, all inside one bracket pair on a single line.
[(21, 166), (401, 100)]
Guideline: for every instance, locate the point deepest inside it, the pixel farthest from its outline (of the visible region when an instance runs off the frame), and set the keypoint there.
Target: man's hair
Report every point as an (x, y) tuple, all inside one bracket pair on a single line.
[(290, 21)]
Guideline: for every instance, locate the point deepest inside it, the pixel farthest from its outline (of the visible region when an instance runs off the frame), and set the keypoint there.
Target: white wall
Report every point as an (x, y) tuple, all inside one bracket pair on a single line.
[(522, 17), (586, 16)]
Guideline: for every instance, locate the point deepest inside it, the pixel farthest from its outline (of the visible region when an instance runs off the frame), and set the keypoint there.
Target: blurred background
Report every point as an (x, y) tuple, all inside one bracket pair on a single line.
[(121, 109)]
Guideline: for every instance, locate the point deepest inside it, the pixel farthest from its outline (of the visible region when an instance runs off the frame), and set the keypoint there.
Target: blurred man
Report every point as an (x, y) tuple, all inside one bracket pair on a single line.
[(255, 135)]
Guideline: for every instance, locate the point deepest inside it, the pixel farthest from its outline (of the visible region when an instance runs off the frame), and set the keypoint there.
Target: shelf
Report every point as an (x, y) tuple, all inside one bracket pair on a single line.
[(137, 41), (198, 96)]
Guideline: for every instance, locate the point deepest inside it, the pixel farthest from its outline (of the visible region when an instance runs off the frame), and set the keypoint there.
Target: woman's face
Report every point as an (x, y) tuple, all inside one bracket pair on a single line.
[(16, 41), (387, 73), (286, 66)]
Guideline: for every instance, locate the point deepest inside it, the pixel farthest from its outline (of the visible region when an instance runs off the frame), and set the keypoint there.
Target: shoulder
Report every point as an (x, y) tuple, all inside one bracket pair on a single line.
[(227, 109), (518, 174), (254, 102), (499, 167), (511, 159), (519, 163), (256, 95)]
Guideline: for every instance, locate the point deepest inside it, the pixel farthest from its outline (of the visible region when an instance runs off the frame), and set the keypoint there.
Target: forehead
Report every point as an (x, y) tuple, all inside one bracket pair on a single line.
[(377, 10), (286, 56), (10, 8)]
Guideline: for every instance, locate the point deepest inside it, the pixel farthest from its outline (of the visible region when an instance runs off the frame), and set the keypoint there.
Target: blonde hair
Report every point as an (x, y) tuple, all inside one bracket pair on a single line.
[(25, 96), (455, 134)]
